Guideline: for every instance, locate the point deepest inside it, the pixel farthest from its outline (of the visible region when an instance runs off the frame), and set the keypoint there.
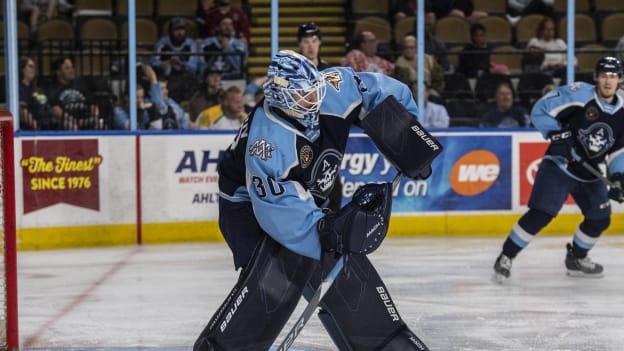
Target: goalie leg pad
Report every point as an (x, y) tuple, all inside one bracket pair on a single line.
[(404, 340), (259, 305), (401, 139), (363, 313)]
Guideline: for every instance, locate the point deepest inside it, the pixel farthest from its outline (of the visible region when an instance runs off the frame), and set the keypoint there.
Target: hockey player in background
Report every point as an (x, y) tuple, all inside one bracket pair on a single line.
[(585, 126), (274, 182)]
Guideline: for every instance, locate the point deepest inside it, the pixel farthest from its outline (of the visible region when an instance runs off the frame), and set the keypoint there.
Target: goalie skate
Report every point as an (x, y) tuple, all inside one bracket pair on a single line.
[(502, 269), (581, 267)]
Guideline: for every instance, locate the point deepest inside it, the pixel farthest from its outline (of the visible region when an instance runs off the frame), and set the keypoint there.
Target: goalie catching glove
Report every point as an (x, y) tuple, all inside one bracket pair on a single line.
[(615, 192), (361, 225)]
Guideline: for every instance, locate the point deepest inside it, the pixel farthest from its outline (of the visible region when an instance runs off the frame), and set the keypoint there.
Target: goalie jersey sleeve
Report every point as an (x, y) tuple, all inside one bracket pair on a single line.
[(288, 177)]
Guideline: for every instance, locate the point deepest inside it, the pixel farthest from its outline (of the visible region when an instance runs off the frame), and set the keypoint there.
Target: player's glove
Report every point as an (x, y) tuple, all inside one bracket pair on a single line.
[(361, 225), (615, 192), (562, 144)]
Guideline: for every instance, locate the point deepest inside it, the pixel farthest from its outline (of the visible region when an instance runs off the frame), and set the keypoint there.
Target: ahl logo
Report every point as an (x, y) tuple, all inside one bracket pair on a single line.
[(475, 172), (262, 149)]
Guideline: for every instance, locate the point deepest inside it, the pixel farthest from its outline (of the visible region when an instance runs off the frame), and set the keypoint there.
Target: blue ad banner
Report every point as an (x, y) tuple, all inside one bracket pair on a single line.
[(472, 173)]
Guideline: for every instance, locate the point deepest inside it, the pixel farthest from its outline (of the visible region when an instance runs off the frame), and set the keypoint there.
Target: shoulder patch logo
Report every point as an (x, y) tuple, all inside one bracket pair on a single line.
[(305, 156), (591, 114), (334, 78), (262, 149), (575, 86)]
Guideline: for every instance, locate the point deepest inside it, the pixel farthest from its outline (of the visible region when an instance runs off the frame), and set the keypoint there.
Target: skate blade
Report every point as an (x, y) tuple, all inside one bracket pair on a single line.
[(499, 278), (579, 274)]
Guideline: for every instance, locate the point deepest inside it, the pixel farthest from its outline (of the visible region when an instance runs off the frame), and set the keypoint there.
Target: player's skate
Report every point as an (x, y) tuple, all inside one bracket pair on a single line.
[(581, 267), (502, 268)]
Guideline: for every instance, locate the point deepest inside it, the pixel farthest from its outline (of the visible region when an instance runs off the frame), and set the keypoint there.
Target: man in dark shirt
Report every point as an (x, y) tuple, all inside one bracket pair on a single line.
[(70, 99), (506, 114), (474, 60)]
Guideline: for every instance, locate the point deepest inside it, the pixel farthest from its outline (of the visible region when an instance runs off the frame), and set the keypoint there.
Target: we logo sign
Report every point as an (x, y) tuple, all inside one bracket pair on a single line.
[(475, 172)]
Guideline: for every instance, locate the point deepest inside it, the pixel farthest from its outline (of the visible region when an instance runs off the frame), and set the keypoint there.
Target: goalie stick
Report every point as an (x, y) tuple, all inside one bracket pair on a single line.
[(325, 285)]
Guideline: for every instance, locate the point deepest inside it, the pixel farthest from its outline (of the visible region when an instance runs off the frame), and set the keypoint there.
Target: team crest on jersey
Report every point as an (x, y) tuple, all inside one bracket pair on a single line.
[(262, 149), (324, 172), (596, 139), (592, 113), (334, 78), (306, 156)]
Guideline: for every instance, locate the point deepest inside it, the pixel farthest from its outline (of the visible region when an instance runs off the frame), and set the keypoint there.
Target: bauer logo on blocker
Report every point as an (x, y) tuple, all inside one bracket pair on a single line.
[(475, 172)]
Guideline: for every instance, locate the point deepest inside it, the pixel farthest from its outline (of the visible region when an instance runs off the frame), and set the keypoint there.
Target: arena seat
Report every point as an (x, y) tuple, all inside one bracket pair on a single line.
[(526, 28)]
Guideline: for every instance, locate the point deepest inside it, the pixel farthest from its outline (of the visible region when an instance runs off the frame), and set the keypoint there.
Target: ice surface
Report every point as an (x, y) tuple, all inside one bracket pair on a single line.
[(159, 297)]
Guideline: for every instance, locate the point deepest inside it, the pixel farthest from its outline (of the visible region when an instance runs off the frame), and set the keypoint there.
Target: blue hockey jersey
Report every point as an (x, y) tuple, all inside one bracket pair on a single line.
[(288, 177), (597, 126)]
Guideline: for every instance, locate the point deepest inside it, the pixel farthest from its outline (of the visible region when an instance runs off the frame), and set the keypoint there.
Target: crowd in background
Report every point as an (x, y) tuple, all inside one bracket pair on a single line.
[(195, 75)]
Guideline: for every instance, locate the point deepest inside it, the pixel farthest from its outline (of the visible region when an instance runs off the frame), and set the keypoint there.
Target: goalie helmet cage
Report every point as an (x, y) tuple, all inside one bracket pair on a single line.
[(8, 269)]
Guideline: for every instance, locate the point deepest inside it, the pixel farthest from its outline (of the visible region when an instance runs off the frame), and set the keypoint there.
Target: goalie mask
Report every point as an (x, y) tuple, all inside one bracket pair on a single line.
[(296, 87)]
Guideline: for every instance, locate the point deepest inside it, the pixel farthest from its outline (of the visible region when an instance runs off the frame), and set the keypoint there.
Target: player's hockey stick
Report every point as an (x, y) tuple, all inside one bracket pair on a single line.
[(598, 174), (319, 293)]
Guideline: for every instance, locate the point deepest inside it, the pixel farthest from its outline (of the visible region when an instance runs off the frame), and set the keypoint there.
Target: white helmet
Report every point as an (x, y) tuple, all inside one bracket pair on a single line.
[(296, 87)]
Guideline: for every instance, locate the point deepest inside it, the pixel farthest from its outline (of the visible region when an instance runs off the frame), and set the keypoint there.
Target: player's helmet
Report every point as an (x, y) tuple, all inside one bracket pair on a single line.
[(295, 86), (309, 29), (608, 64)]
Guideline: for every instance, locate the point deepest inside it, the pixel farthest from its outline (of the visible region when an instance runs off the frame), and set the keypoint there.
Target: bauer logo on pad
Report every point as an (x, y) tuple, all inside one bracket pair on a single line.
[(392, 127)]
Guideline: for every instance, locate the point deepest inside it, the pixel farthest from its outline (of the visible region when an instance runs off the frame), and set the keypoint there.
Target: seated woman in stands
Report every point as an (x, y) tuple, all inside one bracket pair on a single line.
[(547, 52)]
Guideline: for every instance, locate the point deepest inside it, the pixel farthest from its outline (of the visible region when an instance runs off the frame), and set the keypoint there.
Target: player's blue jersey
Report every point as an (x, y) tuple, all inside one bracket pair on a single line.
[(597, 127), (288, 177)]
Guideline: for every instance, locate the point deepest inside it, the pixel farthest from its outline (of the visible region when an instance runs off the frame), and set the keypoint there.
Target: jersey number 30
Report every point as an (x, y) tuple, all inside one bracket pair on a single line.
[(261, 185)]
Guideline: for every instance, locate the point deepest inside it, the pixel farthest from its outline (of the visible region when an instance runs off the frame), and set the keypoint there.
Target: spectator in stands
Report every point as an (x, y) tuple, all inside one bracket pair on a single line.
[(72, 105), (474, 59), (232, 110), (224, 51), (309, 38), (434, 45), (405, 67), (151, 113), (182, 118), (546, 51), (506, 113), (222, 8), (176, 58), (33, 101), (253, 93), (519, 8), (203, 7), (404, 8), (459, 8), (208, 95), (433, 115), (37, 11), (619, 49), (363, 57), (162, 111)]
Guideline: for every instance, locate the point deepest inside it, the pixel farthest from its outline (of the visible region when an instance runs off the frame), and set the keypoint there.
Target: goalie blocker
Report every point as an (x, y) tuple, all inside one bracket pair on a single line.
[(401, 139)]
